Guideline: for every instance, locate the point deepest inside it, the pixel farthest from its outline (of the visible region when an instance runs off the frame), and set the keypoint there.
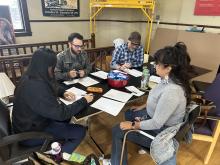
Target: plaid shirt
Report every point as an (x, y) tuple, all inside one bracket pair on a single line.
[(122, 55)]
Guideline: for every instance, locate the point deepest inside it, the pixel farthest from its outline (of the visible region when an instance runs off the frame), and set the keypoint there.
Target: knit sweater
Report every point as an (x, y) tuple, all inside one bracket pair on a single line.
[(166, 106)]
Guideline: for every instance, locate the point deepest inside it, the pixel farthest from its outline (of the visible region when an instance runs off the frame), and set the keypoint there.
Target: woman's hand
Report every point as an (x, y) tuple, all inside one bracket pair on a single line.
[(89, 97), (69, 96), (126, 125)]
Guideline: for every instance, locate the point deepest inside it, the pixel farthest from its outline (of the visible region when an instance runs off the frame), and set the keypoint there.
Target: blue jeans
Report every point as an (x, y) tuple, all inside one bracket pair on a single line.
[(134, 137), (130, 114), (70, 134)]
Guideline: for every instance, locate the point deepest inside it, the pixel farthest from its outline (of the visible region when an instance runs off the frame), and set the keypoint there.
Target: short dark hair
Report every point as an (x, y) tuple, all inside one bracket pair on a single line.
[(72, 36), (135, 38)]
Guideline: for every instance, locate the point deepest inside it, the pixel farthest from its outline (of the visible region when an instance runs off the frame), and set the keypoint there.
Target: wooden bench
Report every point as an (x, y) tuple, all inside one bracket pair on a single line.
[(13, 65), (58, 46)]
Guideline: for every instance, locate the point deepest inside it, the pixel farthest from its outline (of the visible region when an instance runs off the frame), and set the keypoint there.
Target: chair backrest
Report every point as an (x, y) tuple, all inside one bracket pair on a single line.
[(192, 112), (5, 126), (212, 94), (5, 129)]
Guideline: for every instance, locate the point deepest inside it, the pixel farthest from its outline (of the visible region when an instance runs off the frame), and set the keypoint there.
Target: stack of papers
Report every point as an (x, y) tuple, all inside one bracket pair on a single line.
[(118, 95), (107, 105), (86, 81), (78, 95), (100, 74), (134, 90), (134, 72)]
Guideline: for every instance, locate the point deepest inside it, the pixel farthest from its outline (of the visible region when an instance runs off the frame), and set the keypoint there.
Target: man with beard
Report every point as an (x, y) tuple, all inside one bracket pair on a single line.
[(73, 62), (129, 55)]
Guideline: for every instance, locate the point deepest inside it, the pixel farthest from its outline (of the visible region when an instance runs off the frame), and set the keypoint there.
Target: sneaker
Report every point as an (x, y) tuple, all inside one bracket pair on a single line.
[(142, 151), (106, 162)]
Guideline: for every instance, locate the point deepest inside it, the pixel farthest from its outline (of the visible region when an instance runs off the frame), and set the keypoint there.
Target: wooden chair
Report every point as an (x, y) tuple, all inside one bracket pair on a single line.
[(10, 149), (190, 117), (209, 129)]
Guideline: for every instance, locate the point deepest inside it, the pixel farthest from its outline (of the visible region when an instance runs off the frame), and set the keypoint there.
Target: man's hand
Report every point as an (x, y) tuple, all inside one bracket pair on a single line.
[(72, 74), (81, 73), (125, 66), (69, 96)]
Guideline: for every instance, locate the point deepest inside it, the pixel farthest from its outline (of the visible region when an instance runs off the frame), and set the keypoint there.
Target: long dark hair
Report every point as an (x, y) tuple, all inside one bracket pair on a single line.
[(178, 59), (42, 59)]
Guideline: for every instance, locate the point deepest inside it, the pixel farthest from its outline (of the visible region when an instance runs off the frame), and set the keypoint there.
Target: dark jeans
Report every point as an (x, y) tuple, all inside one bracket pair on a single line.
[(70, 134), (134, 137)]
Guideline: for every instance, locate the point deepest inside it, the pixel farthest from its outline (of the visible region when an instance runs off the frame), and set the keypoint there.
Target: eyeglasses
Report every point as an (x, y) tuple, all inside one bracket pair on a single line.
[(135, 45), (78, 46)]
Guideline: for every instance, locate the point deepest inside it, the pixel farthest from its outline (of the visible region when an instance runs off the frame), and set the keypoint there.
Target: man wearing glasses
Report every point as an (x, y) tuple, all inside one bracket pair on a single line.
[(129, 55), (73, 62)]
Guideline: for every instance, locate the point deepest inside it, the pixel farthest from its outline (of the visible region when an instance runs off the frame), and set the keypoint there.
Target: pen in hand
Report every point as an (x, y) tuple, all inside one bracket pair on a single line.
[(89, 97)]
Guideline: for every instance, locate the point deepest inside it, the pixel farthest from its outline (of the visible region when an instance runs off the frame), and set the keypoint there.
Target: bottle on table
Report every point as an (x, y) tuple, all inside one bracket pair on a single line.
[(145, 78)]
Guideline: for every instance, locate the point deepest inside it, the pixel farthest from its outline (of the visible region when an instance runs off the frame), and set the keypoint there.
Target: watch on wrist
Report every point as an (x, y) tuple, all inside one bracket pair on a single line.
[(133, 125)]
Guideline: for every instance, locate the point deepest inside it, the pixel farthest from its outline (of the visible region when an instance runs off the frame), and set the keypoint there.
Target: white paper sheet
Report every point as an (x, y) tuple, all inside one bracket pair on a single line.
[(107, 105), (78, 95), (155, 79), (118, 95), (87, 81), (134, 72), (101, 74), (134, 90), (71, 82)]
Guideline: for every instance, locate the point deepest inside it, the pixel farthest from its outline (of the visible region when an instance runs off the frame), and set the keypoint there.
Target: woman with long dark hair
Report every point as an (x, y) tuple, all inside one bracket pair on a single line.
[(36, 107), (165, 106)]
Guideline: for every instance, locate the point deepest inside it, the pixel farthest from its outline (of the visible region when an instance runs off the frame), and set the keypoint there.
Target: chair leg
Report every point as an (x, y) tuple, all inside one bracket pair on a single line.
[(215, 138)]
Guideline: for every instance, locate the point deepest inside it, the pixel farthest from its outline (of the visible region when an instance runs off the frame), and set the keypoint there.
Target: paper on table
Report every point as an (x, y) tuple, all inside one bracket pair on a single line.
[(87, 81), (155, 79), (118, 95), (101, 74), (78, 95), (71, 82), (107, 105), (134, 72), (134, 90)]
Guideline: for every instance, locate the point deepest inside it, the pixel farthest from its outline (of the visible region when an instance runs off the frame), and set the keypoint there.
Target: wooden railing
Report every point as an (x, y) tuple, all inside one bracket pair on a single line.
[(13, 65), (58, 46)]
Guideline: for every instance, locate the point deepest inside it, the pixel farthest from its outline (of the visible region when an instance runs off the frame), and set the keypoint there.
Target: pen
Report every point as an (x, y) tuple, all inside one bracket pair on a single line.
[(134, 92)]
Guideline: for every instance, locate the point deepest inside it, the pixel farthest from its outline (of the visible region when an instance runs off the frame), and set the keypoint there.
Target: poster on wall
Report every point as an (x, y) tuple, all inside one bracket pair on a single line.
[(7, 35), (60, 8), (207, 8)]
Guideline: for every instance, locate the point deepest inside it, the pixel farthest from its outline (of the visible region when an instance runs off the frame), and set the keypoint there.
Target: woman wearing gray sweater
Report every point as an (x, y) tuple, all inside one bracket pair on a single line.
[(165, 106)]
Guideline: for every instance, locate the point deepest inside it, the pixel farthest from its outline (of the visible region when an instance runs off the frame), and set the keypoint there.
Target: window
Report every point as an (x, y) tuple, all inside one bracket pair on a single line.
[(19, 16)]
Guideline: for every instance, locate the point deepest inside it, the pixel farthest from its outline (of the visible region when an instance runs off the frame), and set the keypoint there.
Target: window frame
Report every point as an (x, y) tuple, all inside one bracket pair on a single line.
[(25, 20)]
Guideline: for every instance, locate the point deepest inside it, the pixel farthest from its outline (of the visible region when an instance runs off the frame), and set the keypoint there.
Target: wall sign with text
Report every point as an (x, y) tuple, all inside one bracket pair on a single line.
[(207, 7), (60, 8)]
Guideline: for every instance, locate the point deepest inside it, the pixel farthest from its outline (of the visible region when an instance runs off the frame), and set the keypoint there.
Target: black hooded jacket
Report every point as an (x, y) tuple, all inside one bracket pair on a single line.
[(35, 103)]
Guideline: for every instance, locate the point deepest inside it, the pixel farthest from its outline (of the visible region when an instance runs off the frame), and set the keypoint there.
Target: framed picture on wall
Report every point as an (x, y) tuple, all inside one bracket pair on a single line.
[(7, 35), (60, 8)]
